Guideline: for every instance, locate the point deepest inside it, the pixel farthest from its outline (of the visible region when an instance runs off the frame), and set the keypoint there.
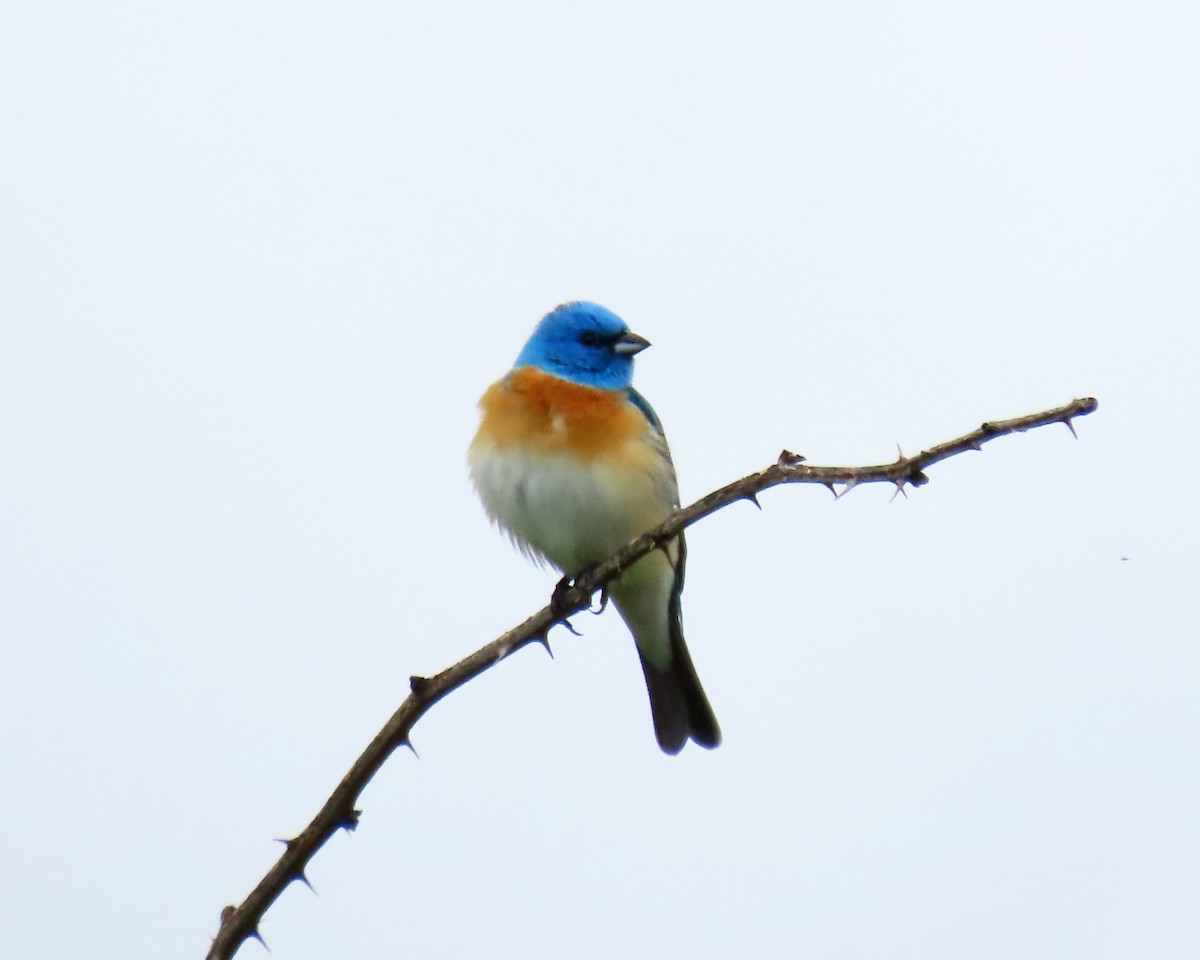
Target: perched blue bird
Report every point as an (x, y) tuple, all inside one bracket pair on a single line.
[(572, 463)]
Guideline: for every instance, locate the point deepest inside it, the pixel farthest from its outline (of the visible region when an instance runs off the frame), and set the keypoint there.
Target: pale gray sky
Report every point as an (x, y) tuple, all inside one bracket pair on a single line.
[(260, 260)]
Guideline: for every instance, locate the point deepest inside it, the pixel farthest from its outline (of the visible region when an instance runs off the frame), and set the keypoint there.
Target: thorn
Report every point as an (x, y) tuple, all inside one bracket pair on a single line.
[(544, 640), (603, 602), (898, 491), (753, 498), (408, 743), (831, 488), (900, 458), (418, 685), (1070, 426), (287, 843), (304, 880), (850, 485), (255, 935), (974, 445)]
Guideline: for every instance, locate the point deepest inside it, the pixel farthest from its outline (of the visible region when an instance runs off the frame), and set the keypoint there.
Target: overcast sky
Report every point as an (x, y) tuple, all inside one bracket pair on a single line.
[(261, 259)]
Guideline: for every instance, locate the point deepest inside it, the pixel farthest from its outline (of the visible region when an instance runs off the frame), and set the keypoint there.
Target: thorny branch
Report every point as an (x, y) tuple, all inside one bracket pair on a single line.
[(241, 923)]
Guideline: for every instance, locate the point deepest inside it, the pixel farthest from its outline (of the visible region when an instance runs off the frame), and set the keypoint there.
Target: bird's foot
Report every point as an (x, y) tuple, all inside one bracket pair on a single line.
[(560, 602), (559, 599)]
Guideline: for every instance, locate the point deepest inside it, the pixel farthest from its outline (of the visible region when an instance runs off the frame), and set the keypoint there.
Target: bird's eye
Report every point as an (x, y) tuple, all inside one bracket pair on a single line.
[(589, 338)]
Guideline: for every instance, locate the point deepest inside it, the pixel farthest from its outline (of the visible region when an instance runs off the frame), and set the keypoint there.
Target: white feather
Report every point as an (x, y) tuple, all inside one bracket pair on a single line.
[(563, 510)]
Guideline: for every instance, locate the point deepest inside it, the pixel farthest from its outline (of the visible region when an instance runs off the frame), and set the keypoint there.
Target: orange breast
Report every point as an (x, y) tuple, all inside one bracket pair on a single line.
[(537, 410)]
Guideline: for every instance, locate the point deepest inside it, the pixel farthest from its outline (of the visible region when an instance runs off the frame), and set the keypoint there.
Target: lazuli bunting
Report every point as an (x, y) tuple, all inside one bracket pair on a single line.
[(572, 463)]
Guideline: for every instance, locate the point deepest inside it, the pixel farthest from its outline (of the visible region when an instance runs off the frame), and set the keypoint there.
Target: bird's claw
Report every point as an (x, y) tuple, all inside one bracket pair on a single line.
[(561, 603)]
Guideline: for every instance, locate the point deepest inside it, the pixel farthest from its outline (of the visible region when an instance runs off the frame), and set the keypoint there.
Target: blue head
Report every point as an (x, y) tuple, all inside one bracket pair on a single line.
[(585, 343)]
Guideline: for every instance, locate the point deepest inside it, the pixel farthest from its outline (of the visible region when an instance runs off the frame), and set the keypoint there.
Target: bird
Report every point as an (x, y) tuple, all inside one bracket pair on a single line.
[(572, 463)]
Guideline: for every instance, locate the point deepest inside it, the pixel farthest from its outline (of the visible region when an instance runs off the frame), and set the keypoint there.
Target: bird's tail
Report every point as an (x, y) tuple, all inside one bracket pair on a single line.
[(678, 705), (648, 597)]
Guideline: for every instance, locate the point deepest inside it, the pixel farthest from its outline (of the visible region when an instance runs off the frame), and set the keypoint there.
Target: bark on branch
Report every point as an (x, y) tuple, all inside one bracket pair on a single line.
[(339, 812)]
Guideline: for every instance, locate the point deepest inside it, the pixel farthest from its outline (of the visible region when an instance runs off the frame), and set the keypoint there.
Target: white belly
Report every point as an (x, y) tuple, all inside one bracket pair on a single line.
[(556, 508)]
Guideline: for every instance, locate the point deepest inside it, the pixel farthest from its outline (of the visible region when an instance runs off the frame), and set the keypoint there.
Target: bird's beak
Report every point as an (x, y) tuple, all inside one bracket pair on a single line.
[(629, 344)]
